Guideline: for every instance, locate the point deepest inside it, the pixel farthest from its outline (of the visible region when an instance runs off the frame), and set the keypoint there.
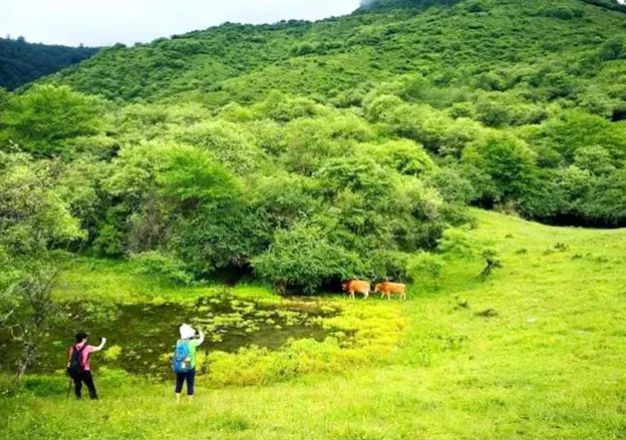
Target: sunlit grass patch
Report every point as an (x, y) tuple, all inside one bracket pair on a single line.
[(363, 334)]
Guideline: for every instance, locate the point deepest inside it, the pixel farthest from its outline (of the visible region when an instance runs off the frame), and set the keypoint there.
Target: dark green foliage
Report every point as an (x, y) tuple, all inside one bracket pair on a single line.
[(302, 257), (219, 236), (380, 4), (492, 262), (609, 4), (612, 49), (561, 12), (505, 167), (22, 62)]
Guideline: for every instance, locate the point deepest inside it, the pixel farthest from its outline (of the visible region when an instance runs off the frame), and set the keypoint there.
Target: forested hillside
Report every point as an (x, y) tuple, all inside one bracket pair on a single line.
[(305, 153), (22, 62)]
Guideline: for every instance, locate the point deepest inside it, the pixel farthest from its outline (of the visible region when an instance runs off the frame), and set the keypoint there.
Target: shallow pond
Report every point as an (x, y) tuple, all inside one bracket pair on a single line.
[(141, 337)]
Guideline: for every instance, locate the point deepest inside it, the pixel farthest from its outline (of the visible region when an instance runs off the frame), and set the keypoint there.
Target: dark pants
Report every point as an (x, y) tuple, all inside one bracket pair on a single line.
[(190, 377), (79, 378)]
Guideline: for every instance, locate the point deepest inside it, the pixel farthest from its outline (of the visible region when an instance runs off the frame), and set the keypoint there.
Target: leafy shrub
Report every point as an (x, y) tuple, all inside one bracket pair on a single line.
[(476, 6), (595, 159), (188, 174), (381, 107), (456, 242), (561, 12), (491, 81), (492, 262), (452, 185), (383, 265), (426, 267), (155, 263), (44, 386), (612, 49), (109, 241), (573, 130), (404, 156), (461, 110), (284, 108), (223, 235), (308, 142), (284, 199), (302, 257), (226, 144), (113, 352), (559, 85)]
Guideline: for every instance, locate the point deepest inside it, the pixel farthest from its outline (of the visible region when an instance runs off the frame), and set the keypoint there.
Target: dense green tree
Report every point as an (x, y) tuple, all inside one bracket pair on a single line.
[(404, 156), (302, 257), (33, 220), (41, 119), (32, 214), (508, 165), (574, 130)]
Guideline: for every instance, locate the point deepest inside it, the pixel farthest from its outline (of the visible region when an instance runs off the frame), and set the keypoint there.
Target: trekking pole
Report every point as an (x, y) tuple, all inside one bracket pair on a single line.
[(69, 388)]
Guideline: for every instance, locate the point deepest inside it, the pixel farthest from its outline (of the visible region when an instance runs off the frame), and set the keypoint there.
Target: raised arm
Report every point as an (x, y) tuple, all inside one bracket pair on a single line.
[(101, 346), (201, 339)]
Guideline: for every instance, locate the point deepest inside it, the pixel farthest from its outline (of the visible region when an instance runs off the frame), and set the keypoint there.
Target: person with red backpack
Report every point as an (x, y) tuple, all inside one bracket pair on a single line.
[(184, 359), (78, 367)]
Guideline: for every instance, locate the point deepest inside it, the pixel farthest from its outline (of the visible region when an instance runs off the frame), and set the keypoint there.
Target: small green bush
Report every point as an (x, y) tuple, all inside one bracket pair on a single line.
[(612, 49), (45, 386)]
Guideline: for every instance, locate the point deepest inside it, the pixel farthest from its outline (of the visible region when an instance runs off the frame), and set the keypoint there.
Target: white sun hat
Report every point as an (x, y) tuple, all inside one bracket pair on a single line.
[(186, 331)]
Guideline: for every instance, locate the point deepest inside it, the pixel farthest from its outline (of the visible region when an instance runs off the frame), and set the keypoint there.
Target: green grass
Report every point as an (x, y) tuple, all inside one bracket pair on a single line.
[(119, 282), (548, 365)]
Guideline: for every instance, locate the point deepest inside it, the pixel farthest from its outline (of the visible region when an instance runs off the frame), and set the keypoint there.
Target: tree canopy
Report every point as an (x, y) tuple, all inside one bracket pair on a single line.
[(306, 153)]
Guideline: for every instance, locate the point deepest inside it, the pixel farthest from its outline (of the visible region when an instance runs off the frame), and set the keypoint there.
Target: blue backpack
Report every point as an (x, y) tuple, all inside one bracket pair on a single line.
[(181, 363)]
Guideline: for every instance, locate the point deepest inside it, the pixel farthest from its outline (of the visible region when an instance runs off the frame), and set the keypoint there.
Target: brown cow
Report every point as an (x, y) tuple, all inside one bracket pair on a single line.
[(388, 288), (358, 286)]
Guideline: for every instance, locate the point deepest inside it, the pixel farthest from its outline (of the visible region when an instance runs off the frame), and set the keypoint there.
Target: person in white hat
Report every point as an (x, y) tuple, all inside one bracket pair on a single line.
[(184, 362)]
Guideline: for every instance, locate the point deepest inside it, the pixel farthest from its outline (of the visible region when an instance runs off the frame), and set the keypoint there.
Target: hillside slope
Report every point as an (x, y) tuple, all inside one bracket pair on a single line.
[(22, 62), (232, 150), (534, 352), (486, 44)]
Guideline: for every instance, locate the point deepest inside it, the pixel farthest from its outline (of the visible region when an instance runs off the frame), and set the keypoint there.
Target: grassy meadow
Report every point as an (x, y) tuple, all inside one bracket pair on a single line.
[(137, 185), (536, 350)]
